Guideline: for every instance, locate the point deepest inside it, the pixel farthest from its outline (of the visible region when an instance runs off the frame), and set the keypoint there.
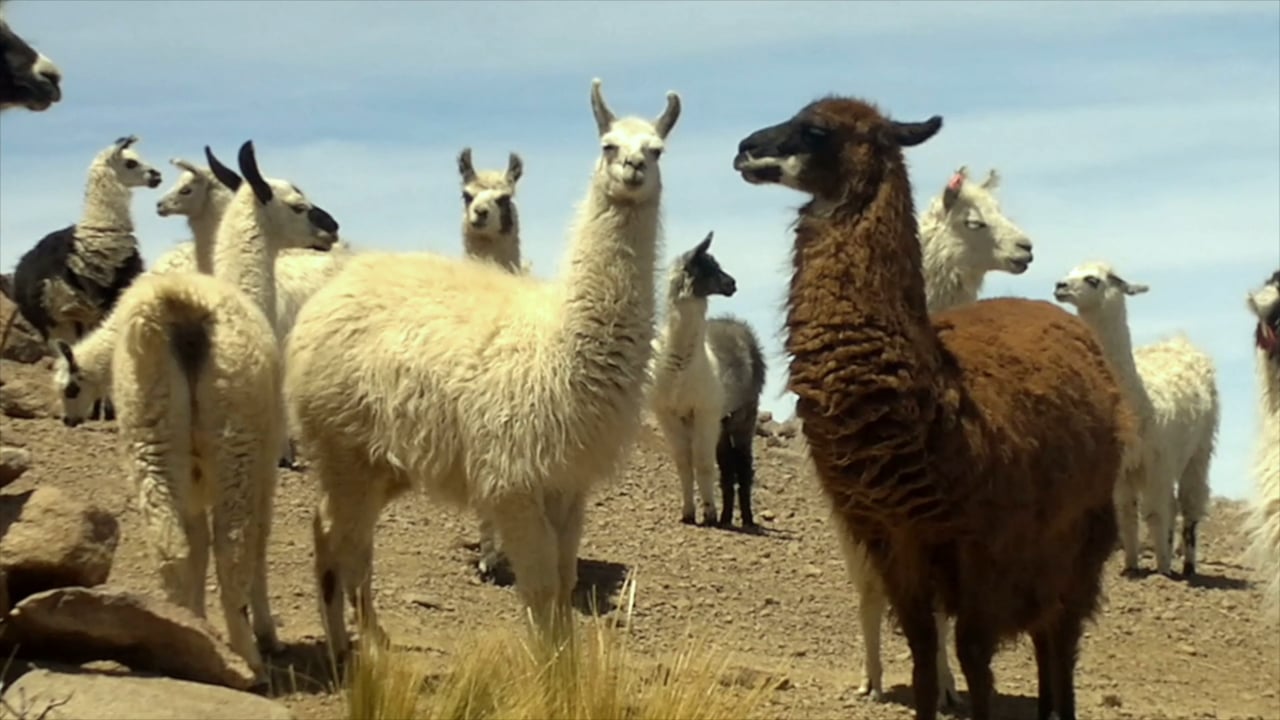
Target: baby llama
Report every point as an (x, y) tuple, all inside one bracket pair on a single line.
[(1171, 385), (500, 392), (707, 378), (995, 510), (72, 277), (964, 234), (196, 375), (1263, 524), (28, 79)]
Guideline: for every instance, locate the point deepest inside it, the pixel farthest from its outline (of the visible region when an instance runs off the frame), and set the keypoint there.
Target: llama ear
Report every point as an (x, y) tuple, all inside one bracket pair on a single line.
[(667, 119), (701, 248), (249, 168), (67, 355), (952, 190), (126, 141), (225, 175), (515, 168), (992, 181), (909, 134), (604, 116), (184, 165), (465, 168), (1135, 288)]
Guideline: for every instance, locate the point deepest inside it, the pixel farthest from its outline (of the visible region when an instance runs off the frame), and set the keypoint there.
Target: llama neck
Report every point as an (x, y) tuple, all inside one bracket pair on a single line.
[(609, 292), (106, 205), (1111, 325), (948, 280), (204, 227), (503, 249), (1268, 369), (242, 255), (686, 333)]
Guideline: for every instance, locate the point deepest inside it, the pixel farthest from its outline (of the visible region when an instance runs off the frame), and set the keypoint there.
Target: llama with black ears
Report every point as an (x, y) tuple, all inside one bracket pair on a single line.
[(28, 78)]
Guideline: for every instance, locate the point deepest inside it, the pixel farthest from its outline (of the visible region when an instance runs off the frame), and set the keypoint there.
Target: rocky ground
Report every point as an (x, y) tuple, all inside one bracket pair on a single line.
[(1162, 648)]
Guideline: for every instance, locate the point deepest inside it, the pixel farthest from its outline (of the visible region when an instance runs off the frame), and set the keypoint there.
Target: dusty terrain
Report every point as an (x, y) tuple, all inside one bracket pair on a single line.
[(1162, 648)]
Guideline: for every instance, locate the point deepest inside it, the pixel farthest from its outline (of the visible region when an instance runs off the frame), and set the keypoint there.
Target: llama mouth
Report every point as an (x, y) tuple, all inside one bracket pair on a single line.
[(1062, 295), (1017, 267), (1267, 336), (757, 171)]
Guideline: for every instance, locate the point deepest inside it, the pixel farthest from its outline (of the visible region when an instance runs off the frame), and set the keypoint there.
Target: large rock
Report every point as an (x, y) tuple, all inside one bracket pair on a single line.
[(98, 696), (142, 632), (49, 539), (24, 343), (24, 398), (13, 463)]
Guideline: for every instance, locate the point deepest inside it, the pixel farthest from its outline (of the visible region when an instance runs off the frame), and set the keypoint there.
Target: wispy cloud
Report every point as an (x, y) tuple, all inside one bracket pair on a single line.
[(1146, 134)]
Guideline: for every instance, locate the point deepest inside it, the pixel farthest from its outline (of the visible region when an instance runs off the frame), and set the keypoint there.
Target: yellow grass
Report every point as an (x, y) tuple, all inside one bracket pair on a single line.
[(518, 676)]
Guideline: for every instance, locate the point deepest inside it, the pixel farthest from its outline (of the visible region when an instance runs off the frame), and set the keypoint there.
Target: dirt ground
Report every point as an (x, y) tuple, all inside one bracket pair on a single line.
[(1161, 649)]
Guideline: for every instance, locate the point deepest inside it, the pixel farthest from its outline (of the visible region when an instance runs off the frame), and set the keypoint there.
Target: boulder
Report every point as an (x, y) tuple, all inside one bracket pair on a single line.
[(143, 632), (49, 539), (24, 343), (23, 398), (13, 463), (82, 695)]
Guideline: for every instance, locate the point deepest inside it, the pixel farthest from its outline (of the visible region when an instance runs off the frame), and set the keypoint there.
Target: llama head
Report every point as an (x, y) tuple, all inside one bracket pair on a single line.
[(190, 194), (124, 162), (836, 149), (488, 206), (1264, 303), (283, 210), (1094, 286), (630, 148), (979, 236), (27, 78), (75, 391), (696, 275)]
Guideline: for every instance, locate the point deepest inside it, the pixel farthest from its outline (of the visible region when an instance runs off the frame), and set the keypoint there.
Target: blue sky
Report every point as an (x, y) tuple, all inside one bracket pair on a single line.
[(1146, 134)]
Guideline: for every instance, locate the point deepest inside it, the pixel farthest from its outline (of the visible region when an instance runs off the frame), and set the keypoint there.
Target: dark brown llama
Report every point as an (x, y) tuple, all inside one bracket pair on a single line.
[(974, 455)]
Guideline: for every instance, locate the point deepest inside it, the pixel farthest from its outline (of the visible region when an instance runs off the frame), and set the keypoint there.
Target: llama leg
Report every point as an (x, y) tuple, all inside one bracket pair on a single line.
[(1156, 508), (678, 440), (1126, 501), (532, 548), (343, 527), (361, 575), (1065, 648), (1193, 499), (264, 624), (706, 433), (975, 648), (235, 542), (1044, 675), (329, 582), (916, 617), (178, 532), (746, 480), (872, 604), (728, 477), (492, 565), (947, 694), (568, 520)]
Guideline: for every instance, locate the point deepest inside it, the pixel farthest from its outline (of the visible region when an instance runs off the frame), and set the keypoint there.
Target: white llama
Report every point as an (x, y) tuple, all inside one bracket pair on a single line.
[(196, 374), (1263, 524), (686, 396), (500, 392), (1172, 387)]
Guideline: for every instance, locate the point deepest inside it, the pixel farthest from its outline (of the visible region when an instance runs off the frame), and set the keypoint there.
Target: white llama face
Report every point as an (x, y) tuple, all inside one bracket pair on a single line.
[(288, 217), (630, 148), (990, 240), (76, 394), (188, 195), (1264, 303), (129, 167), (488, 205), (1093, 286)]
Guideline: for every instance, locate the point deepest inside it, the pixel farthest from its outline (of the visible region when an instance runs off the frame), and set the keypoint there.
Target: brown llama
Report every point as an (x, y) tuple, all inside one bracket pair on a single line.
[(974, 454)]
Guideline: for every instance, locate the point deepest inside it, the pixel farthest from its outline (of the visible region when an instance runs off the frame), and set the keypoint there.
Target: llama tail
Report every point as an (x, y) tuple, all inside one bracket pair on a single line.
[(171, 317)]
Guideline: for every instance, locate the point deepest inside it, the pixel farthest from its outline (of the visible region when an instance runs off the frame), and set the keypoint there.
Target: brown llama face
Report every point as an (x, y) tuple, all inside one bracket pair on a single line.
[(828, 145), (1265, 305)]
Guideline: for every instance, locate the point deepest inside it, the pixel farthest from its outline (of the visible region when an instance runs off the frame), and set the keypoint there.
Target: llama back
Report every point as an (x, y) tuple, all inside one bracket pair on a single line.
[(1182, 383), (740, 361)]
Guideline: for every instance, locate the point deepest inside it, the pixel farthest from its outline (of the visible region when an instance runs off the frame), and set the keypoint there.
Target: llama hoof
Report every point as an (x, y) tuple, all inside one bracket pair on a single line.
[(725, 522), (108, 411), (1188, 570), (948, 699), (709, 518), (751, 527), (269, 644), (496, 572), (1131, 573), (871, 693), (689, 519)]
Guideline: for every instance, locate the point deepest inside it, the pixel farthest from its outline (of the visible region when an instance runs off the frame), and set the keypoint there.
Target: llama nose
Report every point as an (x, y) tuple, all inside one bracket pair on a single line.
[(1024, 245), (1060, 286), (482, 213)]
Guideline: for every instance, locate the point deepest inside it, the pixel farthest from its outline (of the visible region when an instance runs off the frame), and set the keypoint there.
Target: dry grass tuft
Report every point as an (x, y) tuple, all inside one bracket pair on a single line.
[(519, 676)]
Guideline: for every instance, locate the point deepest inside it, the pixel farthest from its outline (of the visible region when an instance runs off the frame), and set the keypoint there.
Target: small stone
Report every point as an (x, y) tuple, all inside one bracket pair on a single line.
[(13, 463)]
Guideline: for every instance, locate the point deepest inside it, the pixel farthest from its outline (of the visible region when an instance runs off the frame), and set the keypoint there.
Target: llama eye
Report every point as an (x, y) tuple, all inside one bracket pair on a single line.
[(467, 197), (131, 164), (503, 201), (815, 132), (299, 209), (184, 191), (657, 153), (610, 148), (974, 224), (1092, 281)]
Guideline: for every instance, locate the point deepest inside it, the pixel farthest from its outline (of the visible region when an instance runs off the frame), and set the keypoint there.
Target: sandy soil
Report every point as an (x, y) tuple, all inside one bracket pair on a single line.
[(1162, 648)]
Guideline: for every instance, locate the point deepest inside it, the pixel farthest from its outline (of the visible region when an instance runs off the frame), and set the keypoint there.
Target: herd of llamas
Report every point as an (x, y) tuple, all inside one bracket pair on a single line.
[(981, 458)]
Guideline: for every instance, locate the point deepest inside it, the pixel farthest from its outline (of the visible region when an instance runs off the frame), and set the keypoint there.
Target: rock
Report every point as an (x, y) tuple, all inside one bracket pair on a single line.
[(24, 343), (50, 539), (6, 285), (96, 696), (145, 633), (24, 399), (13, 462)]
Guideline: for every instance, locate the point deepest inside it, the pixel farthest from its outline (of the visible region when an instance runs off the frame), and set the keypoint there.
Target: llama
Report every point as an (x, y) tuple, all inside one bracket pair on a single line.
[(196, 374), (490, 221), (72, 277), (491, 231), (302, 265), (967, 497), (483, 388), (1171, 385), (964, 235), (1263, 523), (707, 379), (28, 79)]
